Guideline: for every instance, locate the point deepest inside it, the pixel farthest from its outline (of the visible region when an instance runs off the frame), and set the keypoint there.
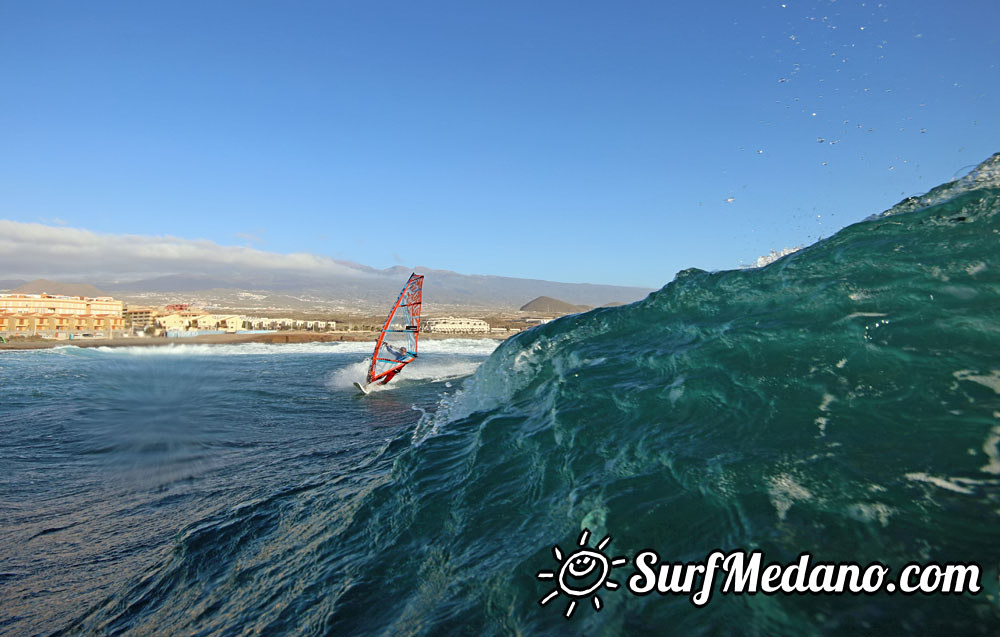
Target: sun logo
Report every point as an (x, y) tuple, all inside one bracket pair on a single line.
[(582, 573)]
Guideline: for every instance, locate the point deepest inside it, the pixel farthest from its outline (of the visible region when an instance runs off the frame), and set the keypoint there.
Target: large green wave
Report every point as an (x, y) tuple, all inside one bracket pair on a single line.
[(843, 400)]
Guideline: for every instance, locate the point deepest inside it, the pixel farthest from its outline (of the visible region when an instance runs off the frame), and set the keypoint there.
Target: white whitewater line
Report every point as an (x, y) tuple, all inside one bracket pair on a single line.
[(944, 483), (475, 347)]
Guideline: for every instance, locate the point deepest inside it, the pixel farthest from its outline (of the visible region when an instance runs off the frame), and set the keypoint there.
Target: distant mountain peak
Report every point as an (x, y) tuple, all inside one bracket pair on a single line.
[(44, 286), (549, 305)]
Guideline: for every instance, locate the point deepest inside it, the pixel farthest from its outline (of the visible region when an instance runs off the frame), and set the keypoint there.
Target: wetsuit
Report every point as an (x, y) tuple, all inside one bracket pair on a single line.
[(398, 354)]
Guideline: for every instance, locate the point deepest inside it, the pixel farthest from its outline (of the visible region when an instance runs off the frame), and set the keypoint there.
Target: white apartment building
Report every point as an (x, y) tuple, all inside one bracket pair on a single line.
[(453, 325)]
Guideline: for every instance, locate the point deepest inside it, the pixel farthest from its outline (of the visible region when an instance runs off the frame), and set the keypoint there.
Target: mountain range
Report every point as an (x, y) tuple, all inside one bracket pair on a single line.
[(367, 290), (161, 269)]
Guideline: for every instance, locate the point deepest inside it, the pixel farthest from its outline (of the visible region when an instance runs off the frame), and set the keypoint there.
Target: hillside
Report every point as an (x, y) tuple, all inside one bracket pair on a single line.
[(44, 286), (367, 290), (549, 305)]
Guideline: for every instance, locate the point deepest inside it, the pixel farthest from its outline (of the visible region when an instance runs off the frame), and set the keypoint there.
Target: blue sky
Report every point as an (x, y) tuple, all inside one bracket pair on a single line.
[(601, 142)]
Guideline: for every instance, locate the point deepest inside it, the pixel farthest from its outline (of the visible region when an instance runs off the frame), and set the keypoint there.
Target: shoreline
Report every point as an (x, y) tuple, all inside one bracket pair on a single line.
[(277, 338)]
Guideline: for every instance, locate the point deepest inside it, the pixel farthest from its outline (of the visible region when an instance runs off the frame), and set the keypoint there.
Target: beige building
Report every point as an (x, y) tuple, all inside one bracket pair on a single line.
[(226, 322), (230, 323), (453, 325), (180, 321), (206, 322), (54, 304), (60, 326), (140, 317), (200, 320), (54, 316)]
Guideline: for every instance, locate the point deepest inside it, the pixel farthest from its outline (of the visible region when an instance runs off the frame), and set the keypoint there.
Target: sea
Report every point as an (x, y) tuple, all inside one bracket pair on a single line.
[(841, 403)]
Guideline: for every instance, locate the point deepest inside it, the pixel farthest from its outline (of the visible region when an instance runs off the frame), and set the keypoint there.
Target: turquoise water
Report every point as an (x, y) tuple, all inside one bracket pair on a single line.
[(844, 400)]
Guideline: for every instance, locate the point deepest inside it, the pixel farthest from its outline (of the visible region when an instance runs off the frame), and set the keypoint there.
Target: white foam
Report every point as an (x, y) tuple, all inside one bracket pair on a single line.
[(824, 406), (825, 403), (202, 349), (419, 370), (784, 491), (944, 483), (853, 315), (490, 387), (975, 268), (992, 381), (990, 449), (474, 347)]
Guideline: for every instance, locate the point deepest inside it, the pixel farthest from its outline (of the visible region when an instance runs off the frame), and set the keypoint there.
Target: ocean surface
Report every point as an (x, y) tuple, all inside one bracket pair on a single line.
[(842, 401)]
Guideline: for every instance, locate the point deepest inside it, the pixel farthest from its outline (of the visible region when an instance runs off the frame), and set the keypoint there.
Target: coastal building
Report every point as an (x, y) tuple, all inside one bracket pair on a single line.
[(55, 304), (453, 325), (229, 323), (60, 326), (181, 320), (224, 322), (55, 316), (191, 320), (204, 322), (140, 317)]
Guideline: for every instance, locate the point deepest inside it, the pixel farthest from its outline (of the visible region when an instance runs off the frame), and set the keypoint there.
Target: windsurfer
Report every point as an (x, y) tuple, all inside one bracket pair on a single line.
[(399, 354), (387, 361)]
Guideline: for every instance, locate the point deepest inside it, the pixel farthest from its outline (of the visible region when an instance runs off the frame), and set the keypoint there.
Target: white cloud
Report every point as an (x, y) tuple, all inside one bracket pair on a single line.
[(32, 250)]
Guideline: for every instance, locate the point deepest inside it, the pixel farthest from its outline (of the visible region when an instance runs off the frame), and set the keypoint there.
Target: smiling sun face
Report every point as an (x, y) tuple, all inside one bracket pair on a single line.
[(582, 573)]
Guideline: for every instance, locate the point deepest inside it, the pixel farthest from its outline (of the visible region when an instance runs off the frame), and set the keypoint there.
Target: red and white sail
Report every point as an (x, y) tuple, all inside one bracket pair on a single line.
[(396, 346)]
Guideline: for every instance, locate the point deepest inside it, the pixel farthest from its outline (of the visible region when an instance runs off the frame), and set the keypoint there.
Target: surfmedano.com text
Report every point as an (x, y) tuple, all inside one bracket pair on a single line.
[(741, 573)]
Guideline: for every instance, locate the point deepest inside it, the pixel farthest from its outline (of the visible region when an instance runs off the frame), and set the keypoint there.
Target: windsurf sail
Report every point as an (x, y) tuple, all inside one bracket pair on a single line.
[(396, 346)]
